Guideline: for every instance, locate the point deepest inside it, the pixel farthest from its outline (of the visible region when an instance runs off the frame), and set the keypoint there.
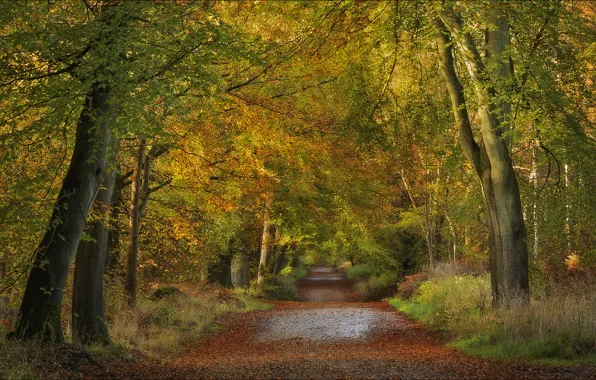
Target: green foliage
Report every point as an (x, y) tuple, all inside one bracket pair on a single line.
[(283, 286), (296, 272), (361, 271), (377, 287), (454, 300), (556, 328)]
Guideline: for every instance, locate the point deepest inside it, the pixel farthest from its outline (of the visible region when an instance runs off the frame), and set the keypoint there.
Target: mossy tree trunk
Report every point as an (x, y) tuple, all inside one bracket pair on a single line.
[(40, 311), (88, 319), (240, 268)]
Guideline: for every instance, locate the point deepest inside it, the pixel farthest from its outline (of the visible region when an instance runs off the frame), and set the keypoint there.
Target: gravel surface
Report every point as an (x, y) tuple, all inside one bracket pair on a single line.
[(325, 324)]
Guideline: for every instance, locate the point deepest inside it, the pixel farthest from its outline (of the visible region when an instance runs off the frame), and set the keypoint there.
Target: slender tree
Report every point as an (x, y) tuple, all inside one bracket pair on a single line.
[(264, 244)]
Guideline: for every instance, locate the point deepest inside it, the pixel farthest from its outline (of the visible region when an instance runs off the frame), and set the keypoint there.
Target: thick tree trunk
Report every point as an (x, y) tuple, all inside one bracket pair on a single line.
[(507, 234), (133, 226), (40, 312), (88, 320), (264, 246), (240, 267)]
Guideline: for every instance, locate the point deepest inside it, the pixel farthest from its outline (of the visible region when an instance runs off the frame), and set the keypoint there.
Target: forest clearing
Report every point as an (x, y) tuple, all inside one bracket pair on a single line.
[(298, 189)]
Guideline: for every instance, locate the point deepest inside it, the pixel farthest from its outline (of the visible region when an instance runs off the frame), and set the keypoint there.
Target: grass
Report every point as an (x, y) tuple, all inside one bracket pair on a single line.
[(162, 327), (157, 328), (17, 359), (557, 327)]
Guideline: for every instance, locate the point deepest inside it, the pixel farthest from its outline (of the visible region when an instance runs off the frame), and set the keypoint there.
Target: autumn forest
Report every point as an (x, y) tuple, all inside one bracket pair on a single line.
[(191, 188)]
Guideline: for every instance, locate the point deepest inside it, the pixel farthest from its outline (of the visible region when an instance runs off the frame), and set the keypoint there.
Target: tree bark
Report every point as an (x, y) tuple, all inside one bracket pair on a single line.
[(114, 250), (40, 311), (3, 298), (220, 272), (88, 319), (240, 266), (508, 252), (133, 226), (264, 246), (534, 181)]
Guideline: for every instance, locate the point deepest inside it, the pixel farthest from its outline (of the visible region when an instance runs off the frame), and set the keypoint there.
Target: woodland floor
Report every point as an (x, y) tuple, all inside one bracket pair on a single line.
[(328, 334)]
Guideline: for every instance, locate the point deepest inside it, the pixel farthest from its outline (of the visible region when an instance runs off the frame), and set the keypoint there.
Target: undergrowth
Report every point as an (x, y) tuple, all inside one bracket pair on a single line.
[(557, 327), (283, 286), (371, 283), (162, 327), (15, 356), (157, 326)]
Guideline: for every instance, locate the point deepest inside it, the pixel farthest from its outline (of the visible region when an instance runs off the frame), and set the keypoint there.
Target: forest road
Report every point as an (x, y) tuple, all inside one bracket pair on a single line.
[(330, 334)]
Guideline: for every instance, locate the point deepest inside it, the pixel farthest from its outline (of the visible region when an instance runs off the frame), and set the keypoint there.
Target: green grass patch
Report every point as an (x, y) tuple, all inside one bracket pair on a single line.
[(556, 328), (419, 312)]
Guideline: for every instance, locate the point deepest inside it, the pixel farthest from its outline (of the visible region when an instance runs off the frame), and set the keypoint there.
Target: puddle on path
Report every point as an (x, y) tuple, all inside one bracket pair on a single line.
[(325, 324)]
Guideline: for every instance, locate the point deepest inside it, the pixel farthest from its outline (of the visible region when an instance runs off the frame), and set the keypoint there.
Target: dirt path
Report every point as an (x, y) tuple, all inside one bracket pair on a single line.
[(331, 335)]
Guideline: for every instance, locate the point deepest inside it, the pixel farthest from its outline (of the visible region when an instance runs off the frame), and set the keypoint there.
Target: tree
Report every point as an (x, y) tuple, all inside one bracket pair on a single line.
[(491, 159), (40, 312)]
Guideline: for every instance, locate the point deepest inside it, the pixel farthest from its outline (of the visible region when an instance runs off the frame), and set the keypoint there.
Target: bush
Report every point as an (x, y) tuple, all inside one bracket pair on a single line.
[(452, 300), (377, 287), (283, 286), (361, 271), (298, 272), (560, 324), (407, 288)]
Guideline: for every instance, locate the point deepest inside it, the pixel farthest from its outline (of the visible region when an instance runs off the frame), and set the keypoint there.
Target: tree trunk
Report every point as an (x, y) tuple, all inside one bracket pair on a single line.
[(454, 236), (88, 320), (240, 266), (221, 271), (40, 312), (264, 246), (3, 298), (508, 253), (114, 250), (534, 181), (133, 226)]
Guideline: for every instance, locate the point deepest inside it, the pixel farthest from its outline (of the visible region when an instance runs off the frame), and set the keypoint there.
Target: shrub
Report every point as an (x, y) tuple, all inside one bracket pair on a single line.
[(559, 324), (361, 271), (452, 300), (161, 327), (166, 291), (407, 288), (376, 287), (283, 286)]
